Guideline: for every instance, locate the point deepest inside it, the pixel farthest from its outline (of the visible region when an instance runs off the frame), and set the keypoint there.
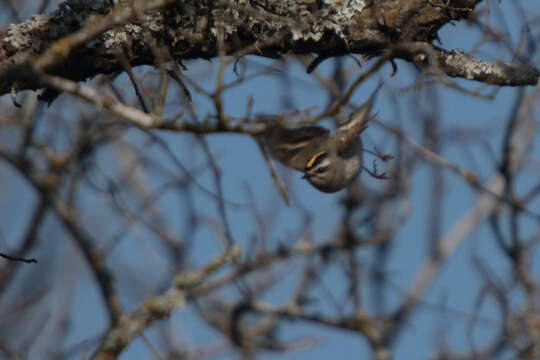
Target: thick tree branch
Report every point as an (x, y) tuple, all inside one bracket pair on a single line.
[(84, 38), (459, 64)]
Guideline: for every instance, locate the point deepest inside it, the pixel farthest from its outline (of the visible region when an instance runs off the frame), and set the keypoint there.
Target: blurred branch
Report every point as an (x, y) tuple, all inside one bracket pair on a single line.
[(46, 186), (467, 175), (158, 307), (17, 258)]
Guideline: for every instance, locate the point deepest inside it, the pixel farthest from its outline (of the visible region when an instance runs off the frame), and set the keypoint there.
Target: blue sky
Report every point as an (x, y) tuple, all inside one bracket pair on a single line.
[(456, 285)]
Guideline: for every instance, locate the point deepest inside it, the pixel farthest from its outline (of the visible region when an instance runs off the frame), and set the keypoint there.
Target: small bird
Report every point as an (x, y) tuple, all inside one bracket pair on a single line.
[(330, 162)]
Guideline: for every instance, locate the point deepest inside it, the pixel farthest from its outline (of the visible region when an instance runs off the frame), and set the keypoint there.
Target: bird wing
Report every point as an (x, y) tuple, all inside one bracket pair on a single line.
[(292, 146), (358, 121)]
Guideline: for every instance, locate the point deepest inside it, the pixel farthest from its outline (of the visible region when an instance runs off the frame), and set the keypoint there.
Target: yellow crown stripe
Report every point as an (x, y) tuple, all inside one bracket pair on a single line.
[(312, 160)]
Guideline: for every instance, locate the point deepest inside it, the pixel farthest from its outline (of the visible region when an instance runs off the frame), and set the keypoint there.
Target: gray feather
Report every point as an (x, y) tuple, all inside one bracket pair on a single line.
[(295, 147), (358, 121)]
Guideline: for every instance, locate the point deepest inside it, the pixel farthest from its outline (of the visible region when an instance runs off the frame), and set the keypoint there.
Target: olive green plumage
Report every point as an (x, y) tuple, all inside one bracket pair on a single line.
[(330, 162)]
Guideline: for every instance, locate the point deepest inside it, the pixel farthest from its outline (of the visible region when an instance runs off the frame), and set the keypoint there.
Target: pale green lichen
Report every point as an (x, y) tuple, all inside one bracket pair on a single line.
[(332, 16)]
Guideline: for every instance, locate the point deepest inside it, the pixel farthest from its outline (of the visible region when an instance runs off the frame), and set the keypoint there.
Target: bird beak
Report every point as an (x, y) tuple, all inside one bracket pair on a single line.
[(305, 176)]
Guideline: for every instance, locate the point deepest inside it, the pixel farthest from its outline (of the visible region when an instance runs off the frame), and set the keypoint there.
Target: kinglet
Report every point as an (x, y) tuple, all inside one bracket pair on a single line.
[(330, 162)]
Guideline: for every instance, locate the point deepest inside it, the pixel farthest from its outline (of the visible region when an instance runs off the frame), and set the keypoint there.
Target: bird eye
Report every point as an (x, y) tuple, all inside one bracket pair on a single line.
[(321, 170)]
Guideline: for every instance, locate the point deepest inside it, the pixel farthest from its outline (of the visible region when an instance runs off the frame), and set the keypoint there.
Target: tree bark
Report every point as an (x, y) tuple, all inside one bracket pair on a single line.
[(86, 38)]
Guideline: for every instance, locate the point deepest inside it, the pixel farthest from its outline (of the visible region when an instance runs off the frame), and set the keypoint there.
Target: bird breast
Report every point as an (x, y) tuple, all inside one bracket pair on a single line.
[(353, 162)]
